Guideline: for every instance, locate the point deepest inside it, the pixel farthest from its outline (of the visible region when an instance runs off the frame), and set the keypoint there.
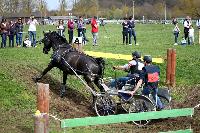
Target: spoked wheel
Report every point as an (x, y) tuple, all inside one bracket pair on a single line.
[(139, 104), (166, 103), (104, 105), (125, 105)]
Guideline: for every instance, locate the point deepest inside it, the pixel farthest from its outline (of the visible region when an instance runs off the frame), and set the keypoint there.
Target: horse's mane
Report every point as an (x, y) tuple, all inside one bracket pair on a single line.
[(60, 38)]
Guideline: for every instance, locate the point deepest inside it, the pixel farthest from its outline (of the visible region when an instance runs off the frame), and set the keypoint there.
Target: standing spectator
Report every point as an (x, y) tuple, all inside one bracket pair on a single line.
[(130, 27), (191, 35), (94, 30), (11, 33), (176, 32), (131, 30), (80, 24), (61, 28), (4, 32), (125, 31), (81, 28), (187, 23), (198, 23), (32, 30), (19, 32), (70, 30), (198, 26), (174, 21)]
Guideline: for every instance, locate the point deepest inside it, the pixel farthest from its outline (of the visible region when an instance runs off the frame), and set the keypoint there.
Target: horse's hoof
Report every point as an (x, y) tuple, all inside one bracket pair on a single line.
[(62, 91), (62, 94)]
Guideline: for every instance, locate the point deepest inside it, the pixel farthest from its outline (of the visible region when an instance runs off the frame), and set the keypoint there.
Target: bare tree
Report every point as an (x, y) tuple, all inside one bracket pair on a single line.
[(62, 7)]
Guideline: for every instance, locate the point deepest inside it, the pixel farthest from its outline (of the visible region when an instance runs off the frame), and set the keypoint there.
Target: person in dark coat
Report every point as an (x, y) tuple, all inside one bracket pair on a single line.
[(125, 31), (19, 32), (4, 32), (11, 33)]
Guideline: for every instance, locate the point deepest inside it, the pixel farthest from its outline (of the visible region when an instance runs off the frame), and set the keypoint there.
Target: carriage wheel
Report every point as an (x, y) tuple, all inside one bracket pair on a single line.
[(166, 103), (125, 105), (105, 105), (141, 104)]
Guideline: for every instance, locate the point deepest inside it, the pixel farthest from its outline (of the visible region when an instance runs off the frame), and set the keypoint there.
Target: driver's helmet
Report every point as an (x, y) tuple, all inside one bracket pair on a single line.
[(147, 59), (136, 54)]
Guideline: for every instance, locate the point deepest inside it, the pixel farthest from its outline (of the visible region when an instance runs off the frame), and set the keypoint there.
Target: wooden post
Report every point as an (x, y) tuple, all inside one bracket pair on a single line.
[(173, 68), (43, 98), (168, 70), (41, 122)]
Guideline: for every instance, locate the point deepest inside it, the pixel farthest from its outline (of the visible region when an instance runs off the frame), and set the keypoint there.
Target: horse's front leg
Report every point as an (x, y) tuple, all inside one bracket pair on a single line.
[(49, 67), (63, 87), (98, 84), (90, 84)]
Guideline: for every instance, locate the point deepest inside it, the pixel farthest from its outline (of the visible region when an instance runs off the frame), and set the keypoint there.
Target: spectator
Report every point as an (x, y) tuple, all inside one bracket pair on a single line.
[(32, 30), (191, 35), (61, 28), (150, 77), (134, 68), (11, 33), (131, 30), (125, 31), (198, 23), (19, 32), (176, 32), (174, 21), (4, 32), (187, 23), (130, 27), (81, 28), (26, 42), (70, 30), (183, 41), (94, 30)]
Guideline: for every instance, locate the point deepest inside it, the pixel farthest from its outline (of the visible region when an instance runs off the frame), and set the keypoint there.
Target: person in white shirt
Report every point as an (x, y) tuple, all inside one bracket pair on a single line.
[(191, 35), (61, 28), (32, 30)]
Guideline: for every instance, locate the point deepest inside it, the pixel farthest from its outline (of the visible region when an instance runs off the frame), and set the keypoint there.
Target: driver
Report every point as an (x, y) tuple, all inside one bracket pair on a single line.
[(134, 68), (150, 77)]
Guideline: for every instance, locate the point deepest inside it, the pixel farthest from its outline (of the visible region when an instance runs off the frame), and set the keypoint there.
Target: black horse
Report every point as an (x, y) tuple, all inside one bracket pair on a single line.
[(70, 61)]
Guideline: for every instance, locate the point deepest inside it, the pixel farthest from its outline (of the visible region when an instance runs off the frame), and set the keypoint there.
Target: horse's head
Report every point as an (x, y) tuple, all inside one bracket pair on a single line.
[(47, 42)]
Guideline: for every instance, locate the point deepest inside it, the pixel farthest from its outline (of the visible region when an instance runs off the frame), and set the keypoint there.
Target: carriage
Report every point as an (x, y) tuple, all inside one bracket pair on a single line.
[(107, 101), (114, 101)]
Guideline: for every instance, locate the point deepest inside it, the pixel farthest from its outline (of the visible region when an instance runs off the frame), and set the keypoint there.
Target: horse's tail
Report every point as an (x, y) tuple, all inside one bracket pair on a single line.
[(101, 62)]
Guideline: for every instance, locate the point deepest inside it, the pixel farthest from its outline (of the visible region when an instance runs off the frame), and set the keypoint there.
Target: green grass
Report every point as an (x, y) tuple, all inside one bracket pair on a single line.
[(17, 64)]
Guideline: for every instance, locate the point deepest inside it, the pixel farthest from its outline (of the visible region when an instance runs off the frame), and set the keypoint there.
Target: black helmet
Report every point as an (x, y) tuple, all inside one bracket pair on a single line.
[(147, 59), (136, 54)]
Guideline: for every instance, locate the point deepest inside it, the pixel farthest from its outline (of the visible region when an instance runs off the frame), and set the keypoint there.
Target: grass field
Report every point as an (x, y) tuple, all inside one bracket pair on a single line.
[(18, 65)]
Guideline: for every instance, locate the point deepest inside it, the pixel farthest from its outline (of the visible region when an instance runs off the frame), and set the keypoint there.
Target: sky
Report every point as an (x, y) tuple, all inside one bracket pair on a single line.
[(53, 4)]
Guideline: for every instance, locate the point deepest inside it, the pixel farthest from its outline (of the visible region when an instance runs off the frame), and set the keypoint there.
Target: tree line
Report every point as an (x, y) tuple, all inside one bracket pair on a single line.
[(111, 9)]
